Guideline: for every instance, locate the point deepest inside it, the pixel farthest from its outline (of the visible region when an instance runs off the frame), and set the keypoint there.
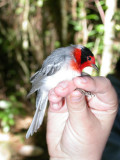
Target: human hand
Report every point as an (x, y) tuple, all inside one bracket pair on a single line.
[(79, 128)]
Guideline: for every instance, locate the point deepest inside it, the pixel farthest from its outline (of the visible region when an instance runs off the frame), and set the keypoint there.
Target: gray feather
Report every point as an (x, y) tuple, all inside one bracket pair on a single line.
[(38, 99), (33, 77), (36, 85), (41, 104)]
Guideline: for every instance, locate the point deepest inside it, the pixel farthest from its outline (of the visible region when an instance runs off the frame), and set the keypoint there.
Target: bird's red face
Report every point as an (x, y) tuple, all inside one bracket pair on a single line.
[(84, 58)]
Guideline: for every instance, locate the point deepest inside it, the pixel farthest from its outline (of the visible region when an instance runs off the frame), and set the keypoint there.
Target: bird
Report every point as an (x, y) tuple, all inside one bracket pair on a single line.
[(64, 63)]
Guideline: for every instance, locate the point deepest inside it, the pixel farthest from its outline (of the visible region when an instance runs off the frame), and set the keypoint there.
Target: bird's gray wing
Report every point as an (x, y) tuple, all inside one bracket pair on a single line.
[(50, 66), (42, 98), (33, 76)]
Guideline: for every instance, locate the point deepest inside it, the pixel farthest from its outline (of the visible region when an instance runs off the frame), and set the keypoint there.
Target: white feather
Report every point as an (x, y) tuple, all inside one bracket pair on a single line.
[(65, 73)]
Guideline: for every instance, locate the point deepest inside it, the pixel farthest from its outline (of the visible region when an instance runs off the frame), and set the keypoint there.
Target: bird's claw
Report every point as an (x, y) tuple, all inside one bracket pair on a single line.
[(86, 93)]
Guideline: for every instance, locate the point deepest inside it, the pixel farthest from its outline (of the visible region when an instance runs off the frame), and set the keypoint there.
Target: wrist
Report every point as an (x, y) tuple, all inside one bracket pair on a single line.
[(60, 159), (95, 158)]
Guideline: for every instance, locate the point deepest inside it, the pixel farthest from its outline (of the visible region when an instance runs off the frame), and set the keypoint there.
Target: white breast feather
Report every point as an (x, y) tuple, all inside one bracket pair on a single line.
[(65, 73)]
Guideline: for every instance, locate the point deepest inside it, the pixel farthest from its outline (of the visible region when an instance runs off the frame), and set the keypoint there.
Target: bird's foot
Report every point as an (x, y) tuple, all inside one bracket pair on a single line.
[(86, 93)]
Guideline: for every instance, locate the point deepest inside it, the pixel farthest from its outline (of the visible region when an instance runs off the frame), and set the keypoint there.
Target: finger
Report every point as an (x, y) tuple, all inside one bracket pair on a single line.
[(57, 103), (56, 119), (53, 97), (79, 113), (64, 88), (55, 127), (93, 84), (100, 86)]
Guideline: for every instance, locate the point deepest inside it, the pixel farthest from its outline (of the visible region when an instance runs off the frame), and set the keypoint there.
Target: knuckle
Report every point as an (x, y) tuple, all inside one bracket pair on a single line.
[(107, 82)]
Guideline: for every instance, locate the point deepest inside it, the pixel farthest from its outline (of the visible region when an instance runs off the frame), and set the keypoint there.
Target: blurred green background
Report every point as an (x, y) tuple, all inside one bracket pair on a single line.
[(29, 31)]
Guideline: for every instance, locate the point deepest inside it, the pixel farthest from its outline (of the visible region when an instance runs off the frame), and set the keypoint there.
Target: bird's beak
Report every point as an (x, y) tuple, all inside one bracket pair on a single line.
[(95, 67)]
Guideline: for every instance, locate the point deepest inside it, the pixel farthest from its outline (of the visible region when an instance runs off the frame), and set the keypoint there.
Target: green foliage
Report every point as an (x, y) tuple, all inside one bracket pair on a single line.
[(76, 25), (90, 45), (98, 32), (57, 44), (93, 17), (116, 18), (103, 4), (19, 11), (8, 111), (93, 21)]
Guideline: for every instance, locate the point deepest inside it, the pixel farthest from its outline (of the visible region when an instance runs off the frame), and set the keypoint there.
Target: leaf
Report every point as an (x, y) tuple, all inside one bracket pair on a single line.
[(92, 33), (11, 122), (57, 44), (93, 17), (78, 28), (100, 28), (90, 45), (13, 98), (19, 11)]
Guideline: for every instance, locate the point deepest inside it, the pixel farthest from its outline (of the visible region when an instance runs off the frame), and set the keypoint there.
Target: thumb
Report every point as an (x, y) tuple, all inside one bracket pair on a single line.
[(79, 113)]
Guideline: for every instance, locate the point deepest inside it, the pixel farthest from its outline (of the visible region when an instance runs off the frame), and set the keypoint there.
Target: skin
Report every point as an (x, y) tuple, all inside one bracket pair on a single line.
[(79, 128)]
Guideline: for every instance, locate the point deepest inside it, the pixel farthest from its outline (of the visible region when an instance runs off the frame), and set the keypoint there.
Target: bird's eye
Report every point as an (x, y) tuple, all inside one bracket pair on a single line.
[(89, 58)]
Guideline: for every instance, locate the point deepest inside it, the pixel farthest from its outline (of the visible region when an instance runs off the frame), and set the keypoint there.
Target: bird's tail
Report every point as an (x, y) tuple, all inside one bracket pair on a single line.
[(41, 104)]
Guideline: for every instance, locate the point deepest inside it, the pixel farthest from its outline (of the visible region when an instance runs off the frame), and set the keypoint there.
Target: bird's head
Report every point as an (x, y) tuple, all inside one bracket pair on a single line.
[(84, 57)]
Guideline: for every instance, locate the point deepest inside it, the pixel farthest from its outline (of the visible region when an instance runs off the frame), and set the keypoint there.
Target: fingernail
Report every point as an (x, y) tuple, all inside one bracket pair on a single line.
[(84, 79), (76, 96)]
